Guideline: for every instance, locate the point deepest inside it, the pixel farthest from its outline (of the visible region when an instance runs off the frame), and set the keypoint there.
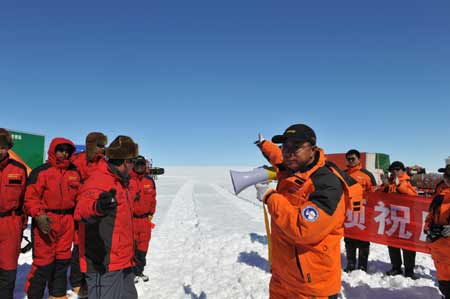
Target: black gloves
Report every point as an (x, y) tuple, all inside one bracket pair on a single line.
[(434, 232), (44, 223), (106, 202)]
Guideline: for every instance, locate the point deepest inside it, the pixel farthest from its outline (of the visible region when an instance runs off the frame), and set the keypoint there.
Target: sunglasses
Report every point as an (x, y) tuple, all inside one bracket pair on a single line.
[(101, 145), (293, 148), (64, 149), (351, 159)]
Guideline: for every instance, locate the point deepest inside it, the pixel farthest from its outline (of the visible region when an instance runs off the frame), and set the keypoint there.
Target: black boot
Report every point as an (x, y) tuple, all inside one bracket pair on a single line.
[(394, 271), (410, 274), (349, 268)]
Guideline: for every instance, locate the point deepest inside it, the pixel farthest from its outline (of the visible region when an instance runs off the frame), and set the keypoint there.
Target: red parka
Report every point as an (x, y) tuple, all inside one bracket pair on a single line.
[(87, 167), (13, 176), (53, 185), (105, 242), (143, 191)]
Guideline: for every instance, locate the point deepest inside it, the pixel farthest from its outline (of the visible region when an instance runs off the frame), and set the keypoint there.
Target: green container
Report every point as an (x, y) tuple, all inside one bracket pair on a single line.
[(29, 147), (382, 162)]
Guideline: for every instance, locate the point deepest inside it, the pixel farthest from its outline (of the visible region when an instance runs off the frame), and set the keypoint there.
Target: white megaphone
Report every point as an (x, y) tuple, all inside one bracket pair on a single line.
[(244, 179)]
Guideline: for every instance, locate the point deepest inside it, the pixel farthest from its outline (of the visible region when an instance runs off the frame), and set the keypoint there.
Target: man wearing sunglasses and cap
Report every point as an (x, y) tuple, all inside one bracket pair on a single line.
[(399, 182), (366, 179), (307, 211), (86, 162), (105, 212), (13, 176), (50, 201), (143, 189), (437, 228)]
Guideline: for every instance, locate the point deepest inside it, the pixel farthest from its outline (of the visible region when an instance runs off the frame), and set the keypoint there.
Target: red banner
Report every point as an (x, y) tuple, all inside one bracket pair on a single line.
[(391, 219)]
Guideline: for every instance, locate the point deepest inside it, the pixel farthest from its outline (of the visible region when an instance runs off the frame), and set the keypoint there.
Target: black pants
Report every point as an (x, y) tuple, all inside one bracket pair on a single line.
[(7, 282), (55, 274), (111, 285), (409, 259), (363, 253), (141, 261), (76, 277), (444, 287)]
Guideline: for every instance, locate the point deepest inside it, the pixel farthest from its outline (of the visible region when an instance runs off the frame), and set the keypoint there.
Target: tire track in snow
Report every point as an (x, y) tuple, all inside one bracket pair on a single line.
[(174, 247), (191, 251)]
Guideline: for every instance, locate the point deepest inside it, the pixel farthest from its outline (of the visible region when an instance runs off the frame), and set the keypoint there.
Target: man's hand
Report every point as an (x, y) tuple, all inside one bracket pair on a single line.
[(261, 189), (44, 223), (260, 140), (106, 202)]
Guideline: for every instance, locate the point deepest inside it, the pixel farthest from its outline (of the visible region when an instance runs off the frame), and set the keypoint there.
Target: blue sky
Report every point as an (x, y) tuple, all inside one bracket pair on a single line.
[(193, 82)]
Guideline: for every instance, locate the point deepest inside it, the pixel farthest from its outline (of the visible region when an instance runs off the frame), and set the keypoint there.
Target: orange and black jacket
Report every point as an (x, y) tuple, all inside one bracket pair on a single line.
[(307, 213), (364, 177), (441, 188), (439, 214), (105, 242), (52, 186), (142, 187), (404, 186), (13, 177)]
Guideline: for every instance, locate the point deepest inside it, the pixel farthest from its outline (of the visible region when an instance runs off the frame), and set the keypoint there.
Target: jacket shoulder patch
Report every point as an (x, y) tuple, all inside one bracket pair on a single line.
[(310, 213)]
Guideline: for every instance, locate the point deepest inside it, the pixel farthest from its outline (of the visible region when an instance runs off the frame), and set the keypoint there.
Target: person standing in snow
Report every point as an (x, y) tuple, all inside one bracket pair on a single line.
[(13, 176), (86, 162), (437, 228), (105, 212), (366, 179), (400, 183), (50, 200), (143, 189), (307, 217)]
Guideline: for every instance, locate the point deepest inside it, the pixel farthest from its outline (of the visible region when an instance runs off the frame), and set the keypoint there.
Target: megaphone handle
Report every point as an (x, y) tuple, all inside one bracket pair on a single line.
[(269, 237)]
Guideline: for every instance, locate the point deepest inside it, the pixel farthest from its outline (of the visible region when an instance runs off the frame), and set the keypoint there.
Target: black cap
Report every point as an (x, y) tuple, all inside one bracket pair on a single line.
[(396, 164), (299, 133), (445, 170)]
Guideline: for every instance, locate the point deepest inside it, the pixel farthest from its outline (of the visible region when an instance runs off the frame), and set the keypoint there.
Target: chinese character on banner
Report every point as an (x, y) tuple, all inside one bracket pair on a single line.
[(398, 216), (423, 236), (356, 219)]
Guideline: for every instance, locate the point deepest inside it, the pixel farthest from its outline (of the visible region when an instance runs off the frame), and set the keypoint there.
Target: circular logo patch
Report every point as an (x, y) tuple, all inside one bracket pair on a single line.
[(310, 214)]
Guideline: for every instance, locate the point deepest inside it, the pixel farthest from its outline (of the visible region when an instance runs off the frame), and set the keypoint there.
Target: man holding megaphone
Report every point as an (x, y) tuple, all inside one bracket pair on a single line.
[(307, 215)]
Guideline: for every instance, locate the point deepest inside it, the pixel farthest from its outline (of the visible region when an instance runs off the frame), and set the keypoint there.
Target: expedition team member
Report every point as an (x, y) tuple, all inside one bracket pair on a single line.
[(86, 163), (50, 201), (143, 188), (366, 179), (308, 212), (105, 212), (439, 218), (13, 176), (400, 183)]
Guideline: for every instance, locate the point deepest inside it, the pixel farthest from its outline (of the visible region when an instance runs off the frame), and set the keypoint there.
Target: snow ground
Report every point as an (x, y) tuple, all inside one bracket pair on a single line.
[(211, 244)]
